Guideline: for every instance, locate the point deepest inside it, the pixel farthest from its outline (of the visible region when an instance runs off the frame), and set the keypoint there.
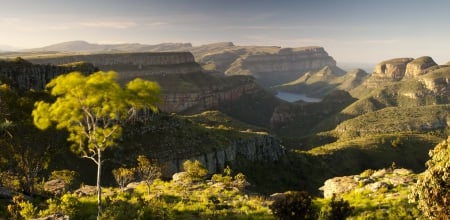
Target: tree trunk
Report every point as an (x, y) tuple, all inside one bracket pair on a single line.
[(99, 188)]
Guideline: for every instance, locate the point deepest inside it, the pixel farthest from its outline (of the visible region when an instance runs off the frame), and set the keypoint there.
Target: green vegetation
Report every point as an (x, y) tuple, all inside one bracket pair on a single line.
[(93, 109), (432, 190)]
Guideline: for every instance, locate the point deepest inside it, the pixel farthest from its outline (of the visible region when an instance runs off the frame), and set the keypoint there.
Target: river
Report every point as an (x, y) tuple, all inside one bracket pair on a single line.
[(293, 97)]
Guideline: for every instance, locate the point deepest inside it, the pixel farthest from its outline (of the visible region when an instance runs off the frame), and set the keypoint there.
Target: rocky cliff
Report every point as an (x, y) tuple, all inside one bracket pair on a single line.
[(419, 66), (269, 65), (131, 65), (207, 98), (24, 75), (284, 66), (394, 68), (400, 68), (258, 148), (174, 139)]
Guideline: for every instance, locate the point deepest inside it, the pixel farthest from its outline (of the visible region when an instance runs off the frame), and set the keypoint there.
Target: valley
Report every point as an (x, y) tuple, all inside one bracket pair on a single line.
[(287, 118)]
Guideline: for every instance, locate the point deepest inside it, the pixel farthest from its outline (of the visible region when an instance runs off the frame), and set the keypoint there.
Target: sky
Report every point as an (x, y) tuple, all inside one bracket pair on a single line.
[(365, 31)]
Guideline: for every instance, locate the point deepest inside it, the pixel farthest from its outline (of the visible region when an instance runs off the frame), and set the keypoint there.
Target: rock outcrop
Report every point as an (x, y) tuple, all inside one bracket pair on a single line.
[(207, 98), (132, 65), (24, 75), (258, 148), (419, 66), (394, 68), (400, 68), (285, 65), (373, 181)]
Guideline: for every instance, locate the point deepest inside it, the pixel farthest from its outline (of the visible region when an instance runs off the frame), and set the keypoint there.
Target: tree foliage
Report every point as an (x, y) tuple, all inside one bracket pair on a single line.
[(293, 205), (147, 171), (123, 176), (432, 190), (93, 109), (195, 170)]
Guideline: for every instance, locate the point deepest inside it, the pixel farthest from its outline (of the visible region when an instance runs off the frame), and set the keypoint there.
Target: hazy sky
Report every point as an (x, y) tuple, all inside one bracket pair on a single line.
[(350, 30)]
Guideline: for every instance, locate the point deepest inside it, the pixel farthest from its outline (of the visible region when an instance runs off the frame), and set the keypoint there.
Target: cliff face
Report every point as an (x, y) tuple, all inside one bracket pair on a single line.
[(131, 65), (394, 68), (286, 65), (205, 99), (419, 66), (269, 65), (400, 68), (25, 75), (259, 148)]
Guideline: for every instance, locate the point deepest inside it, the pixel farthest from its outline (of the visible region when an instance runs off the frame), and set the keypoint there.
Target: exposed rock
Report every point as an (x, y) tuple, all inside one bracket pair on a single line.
[(86, 190), (56, 187), (259, 148), (211, 96), (419, 66), (338, 186), (132, 65), (438, 81), (25, 75), (285, 65), (57, 216), (394, 68), (379, 180)]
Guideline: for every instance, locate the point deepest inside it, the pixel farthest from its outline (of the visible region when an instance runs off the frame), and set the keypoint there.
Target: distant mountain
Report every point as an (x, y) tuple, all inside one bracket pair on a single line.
[(85, 47), (324, 81), (4, 47)]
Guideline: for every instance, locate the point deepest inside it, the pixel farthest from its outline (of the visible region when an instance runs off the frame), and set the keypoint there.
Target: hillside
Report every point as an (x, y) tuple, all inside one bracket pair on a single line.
[(324, 81)]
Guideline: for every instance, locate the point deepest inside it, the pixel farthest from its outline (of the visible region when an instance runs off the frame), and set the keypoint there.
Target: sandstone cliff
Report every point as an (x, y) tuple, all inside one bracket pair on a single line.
[(269, 65), (419, 66), (173, 139), (400, 68), (131, 65), (24, 75), (394, 68)]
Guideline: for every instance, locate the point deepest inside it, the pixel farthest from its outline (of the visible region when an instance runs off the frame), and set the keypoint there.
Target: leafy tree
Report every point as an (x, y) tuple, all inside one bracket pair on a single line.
[(26, 150), (147, 171), (93, 109), (432, 190), (338, 210), (67, 176), (195, 170), (293, 205), (123, 176)]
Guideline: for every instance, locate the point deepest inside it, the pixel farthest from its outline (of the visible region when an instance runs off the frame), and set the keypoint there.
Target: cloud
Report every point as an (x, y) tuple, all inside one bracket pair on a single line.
[(108, 24), (381, 41)]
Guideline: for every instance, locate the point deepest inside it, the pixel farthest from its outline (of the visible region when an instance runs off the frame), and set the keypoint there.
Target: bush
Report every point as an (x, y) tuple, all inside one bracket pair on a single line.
[(432, 190), (338, 210), (293, 205)]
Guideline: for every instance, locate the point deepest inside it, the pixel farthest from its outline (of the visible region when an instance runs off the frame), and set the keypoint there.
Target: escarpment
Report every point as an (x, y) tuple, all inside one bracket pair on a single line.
[(24, 75), (284, 66), (400, 68), (132, 65), (269, 65), (173, 139)]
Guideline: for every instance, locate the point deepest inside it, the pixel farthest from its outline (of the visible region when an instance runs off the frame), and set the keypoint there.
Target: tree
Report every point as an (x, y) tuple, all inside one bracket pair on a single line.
[(123, 176), (147, 171), (195, 170), (432, 190), (293, 205), (93, 109), (337, 210)]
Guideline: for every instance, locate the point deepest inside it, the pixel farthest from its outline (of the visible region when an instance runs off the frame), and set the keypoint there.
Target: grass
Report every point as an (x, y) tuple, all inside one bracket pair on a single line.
[(396, 119)]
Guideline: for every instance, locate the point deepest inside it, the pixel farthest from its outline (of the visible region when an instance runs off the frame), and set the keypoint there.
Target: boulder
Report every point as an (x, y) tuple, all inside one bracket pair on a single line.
[(338, 186), (86, 190), (56, 187)]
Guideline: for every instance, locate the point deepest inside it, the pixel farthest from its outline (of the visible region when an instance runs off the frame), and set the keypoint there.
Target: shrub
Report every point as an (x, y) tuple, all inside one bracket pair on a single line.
[(432, 190), (293, 205)]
